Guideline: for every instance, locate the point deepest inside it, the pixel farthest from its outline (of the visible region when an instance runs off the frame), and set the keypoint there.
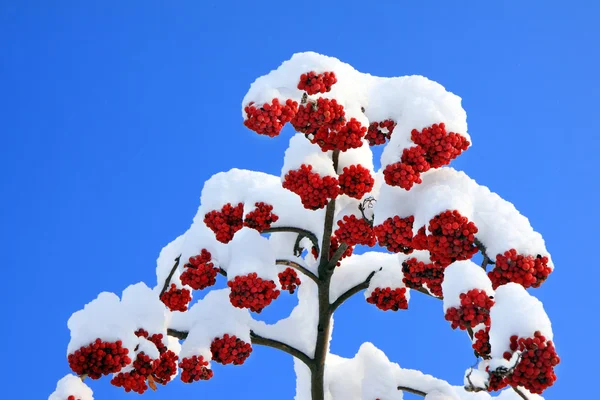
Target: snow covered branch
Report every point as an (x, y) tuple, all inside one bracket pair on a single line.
[(302, 233), (351, 292)]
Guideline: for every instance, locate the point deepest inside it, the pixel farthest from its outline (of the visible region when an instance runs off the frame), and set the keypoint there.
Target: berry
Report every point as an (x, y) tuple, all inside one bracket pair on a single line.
[(353, 231), (482, 342), (441, 147), (166, 367), (250, 291), (288, 279), (497, 381), (395, 234), (417, 273), (419, 241), (270, 118), (230, 349), (200, 273), (401, 174), (135, 380), (347, 137), (474, 309), (99, 358), (314, 83), (451, 238), (73, 398), (416, 157), (389, 299), (524, 270), (194, 369), (176, 299), (379, 132), (324, 113), (225, 223), (261, 217), (355, 181), (314, 191)]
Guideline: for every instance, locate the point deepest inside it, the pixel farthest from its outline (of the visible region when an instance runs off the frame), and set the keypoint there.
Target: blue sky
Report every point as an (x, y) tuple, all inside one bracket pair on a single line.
[(113, 115)]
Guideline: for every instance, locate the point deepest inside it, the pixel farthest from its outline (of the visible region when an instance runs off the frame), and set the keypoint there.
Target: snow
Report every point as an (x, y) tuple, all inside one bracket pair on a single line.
[(301, 151), (460, 277), (251, 252), (145, 309), (71, 385)]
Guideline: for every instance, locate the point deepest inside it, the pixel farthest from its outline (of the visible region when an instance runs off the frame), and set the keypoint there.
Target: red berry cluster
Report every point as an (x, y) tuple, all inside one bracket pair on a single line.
[(395, 234), (200, 273), (194, 369), (73, 398), (379, 132), (230, 349), (400, 174), (355, 181), (389, 299), (250, 291), (289, 280), (176, 299), (417, 273), (353, 231), (474, 309), (528, 271), (314, 83), (482, 342), (166, 366), (440, 146), (225, 223), (347, 137), (535, 369), (314, 191), (324, 113), (497, 381), (135, 380), (99, 358), (451, 238), (270, 118), (419, 241), (261, 217)]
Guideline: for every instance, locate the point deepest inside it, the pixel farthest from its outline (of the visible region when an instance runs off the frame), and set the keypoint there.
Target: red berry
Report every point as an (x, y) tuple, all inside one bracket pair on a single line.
[(401, 174), (230, 349), (225, 223), (200, 273), (482, 342), (474, 309), (419, 241), (395, 234), (250, 291), (389, 299), (353, 231), (379, 132), (135, 380), (314, 83), (355, 181), (194, 369), (271, 117), (440, 146), (261, 217), (524, 270), (417, 273), (314, 191), (324, 113), (416, 157), (451, 238), (288, 279), (99, 358), (166, 367), (176, 299), (347, 137)]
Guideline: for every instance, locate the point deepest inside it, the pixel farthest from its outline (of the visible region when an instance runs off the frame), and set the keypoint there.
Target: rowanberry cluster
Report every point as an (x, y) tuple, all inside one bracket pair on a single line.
[(379, 132), (225, 223), (135, 380), (528, 271), (353, 231), (324, 113), (289, 280), (474, 309), (497, 381), (176, 299), (199, 272), (451, 238), (419, 241), (261, 217), (194, 369), (314, 191), (535, 369), (418, 273), (166, 366), (395, 234), (440, 146), (389, 299), (355, 181), (314, 83), (230, 349), (99, 358), (347, 137), (400, 174), (416, 157), (250, 291), (270, 118), (482, 342)]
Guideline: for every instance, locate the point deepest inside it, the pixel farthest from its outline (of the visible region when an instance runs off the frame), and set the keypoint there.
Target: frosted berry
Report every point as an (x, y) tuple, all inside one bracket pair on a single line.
[(271, 117), (419, 241), (497, 381), (99, 358), (352, 231), (418, 273), (401, 174), (261, 217), (379, 132), (528, 271), (395, 234), (176, 299), (322, 113), (200, 272), (441, 146), (195, 368), (314, 191), (451, 238), (289, 280), (345, 138), (250, 291), (474, 309), (355, 181), (225, 223), (389, 299), (166, 367), (481, 342), (230, 349), (135, 380), (416, 157), (314, 83)]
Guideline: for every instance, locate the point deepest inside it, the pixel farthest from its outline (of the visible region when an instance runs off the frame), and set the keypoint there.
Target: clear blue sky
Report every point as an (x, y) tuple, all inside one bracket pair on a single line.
[(112, 116)]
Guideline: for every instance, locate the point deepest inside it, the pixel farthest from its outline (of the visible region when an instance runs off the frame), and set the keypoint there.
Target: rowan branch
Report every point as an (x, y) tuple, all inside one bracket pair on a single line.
[(350, 292), (411, 390), (328, 227), (170, 276), (520, 393), (336, 256), (299, 267), (307, 234), (486, 259)]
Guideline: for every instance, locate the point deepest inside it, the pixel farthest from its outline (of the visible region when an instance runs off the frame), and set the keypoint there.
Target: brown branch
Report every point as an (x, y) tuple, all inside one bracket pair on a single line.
[(350, 292), (328, 226), (336, 256), (486, 259), (168, 280), (520, 393), (299, 267), (411, 390), (307, 234)]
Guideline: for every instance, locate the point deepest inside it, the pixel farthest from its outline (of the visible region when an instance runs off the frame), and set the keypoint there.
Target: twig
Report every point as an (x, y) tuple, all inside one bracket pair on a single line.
[(486, 259), (350, 292), (297, 247), (411, 390), (168, 280), (311, 236), (520, 393), (299, 267), (336, 256)]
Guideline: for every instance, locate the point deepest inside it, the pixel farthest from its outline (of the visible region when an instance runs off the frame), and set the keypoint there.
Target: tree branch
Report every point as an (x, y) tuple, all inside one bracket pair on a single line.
[(168, 280), (520, 393), (299, 267), (486, 260), (411, 390), (350, 292), (328, 227), (311, 236), (336, 256)]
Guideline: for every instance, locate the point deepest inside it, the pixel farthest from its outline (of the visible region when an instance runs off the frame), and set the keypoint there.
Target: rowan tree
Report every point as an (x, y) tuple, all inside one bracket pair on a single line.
[(309, 232)]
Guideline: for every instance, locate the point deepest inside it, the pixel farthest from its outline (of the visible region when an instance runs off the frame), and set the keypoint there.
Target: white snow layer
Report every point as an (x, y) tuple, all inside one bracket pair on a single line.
[(71, 385), (460, 277)]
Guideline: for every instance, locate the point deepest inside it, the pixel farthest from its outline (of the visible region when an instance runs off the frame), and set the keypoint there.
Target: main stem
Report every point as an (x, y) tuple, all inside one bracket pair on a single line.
[(324, 325)]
